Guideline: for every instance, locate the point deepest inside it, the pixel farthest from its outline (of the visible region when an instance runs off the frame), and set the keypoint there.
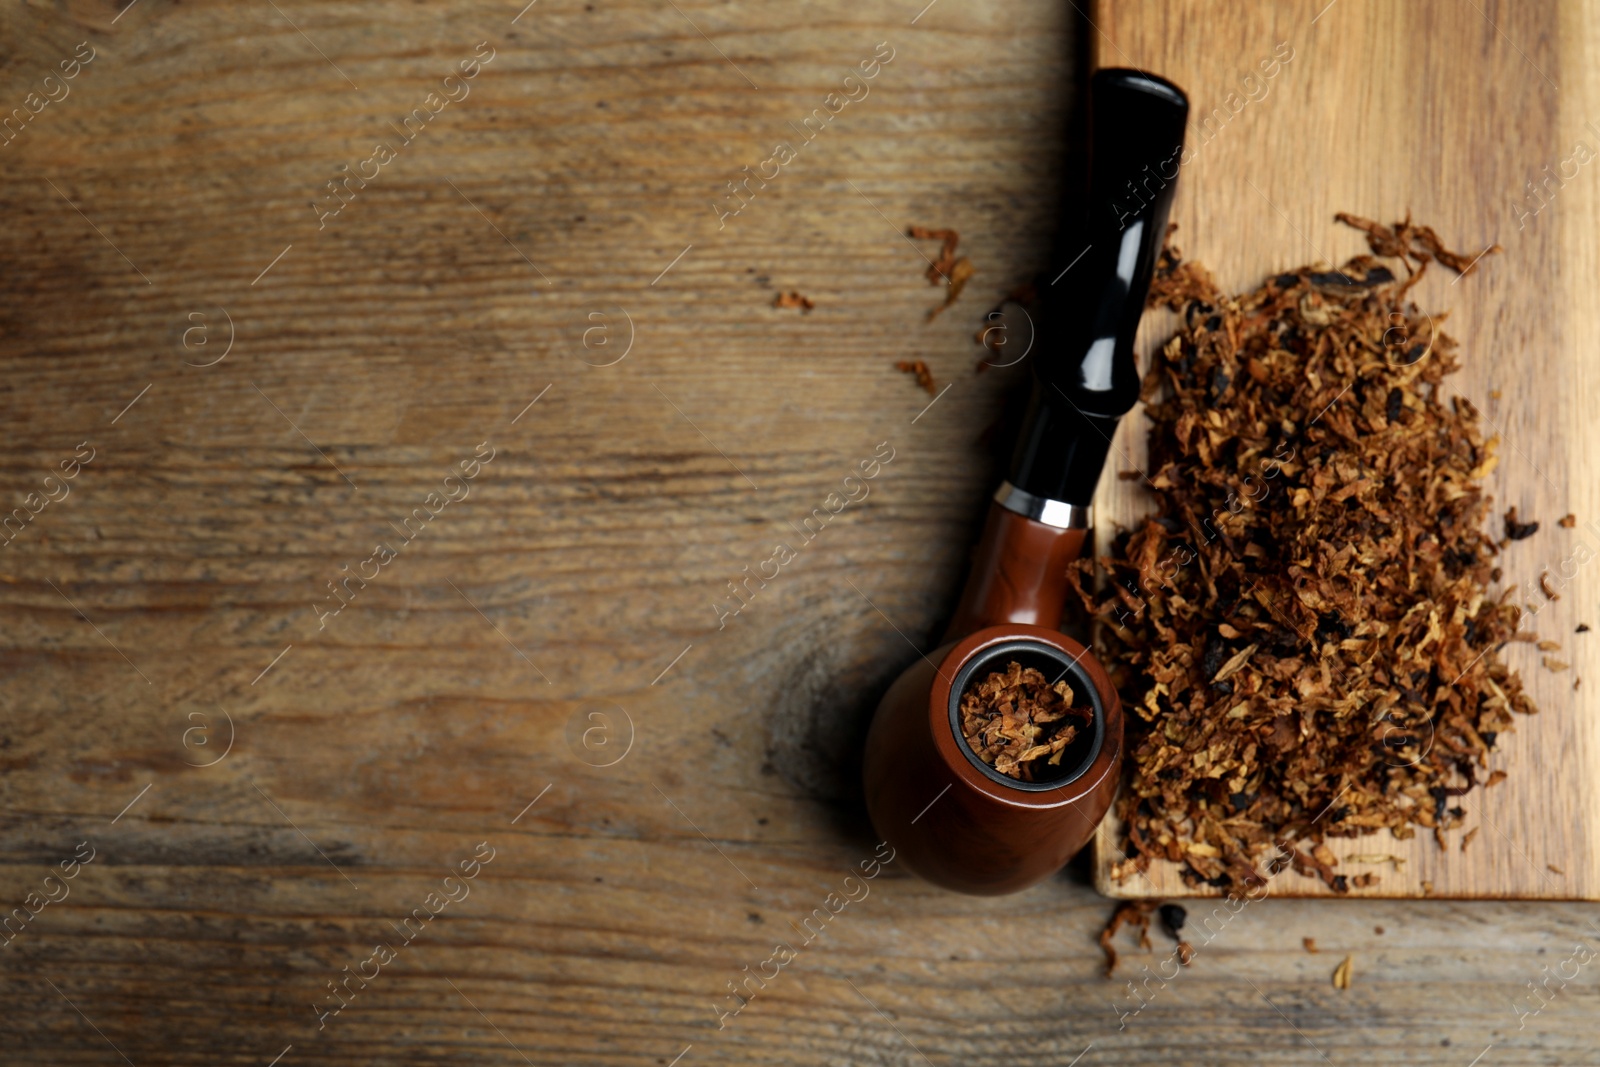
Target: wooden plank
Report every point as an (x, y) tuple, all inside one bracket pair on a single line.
[(386, 745), (1444, 111)]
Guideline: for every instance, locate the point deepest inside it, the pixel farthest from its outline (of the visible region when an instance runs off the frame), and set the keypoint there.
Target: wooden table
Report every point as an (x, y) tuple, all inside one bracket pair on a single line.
[(268, 790)]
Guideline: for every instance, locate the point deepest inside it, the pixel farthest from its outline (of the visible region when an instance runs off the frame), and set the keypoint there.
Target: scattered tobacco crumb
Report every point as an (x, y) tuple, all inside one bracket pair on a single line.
[(1173, 916), (1133, 912), (1549, 646), (794, 300), (1310, 943), (1515, 530), (1364, 881), (1017, 722), (920, 369), (947, 269), (1136, 914), (1466, 839), (1495, 778), (1567, 521), (1406, 242), (1554, 868), (1427, 888), (1583, 628), (960, 274), (1378, 930), (1338, 533), (1553, 664), (1544, 587), (939, 269), (1341, 973)]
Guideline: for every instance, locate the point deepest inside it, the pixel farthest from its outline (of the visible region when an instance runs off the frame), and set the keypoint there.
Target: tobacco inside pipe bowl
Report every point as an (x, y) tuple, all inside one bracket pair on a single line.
[(1055, 665)]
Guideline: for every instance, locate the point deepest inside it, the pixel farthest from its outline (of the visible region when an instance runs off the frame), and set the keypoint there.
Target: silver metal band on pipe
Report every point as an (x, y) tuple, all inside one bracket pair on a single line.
[(1057, 513)]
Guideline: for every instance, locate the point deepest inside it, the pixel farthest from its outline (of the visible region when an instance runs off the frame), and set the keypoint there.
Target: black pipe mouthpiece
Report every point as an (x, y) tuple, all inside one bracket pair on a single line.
[(1087, 378)]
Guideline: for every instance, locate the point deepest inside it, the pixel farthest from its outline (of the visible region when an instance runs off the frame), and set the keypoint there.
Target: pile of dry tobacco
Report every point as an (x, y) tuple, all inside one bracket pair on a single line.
[(1303, 635), (1018, 723)]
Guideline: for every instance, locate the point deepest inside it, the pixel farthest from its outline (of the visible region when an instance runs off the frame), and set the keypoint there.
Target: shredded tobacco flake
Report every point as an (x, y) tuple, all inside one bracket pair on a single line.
[(794, 300), (1341, 973), (1517, 530), (1016, 721), (919, 368), (1173, 916), (1303, 634), (1310, 943), (1567, 521), (960, 273), (1135, 912), (1407, 242), (947, 270), (939, 270)]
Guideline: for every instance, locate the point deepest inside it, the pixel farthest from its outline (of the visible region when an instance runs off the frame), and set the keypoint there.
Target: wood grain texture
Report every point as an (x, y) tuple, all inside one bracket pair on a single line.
[(1444, 111), (173, 591)]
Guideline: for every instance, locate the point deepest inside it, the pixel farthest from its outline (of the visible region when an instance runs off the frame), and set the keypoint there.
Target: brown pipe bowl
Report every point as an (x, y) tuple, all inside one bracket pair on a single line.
[(958, 823)]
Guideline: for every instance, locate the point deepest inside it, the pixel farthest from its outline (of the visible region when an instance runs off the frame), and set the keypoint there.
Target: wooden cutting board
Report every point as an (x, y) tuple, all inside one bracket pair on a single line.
[(1448, 111)]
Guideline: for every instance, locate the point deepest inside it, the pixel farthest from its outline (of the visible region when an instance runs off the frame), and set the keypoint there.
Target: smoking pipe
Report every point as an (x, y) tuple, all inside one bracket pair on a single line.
[(954, 819)]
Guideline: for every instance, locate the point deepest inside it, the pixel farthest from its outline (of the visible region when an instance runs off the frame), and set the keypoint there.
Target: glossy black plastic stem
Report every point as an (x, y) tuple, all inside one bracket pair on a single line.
[(1086, 378)]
